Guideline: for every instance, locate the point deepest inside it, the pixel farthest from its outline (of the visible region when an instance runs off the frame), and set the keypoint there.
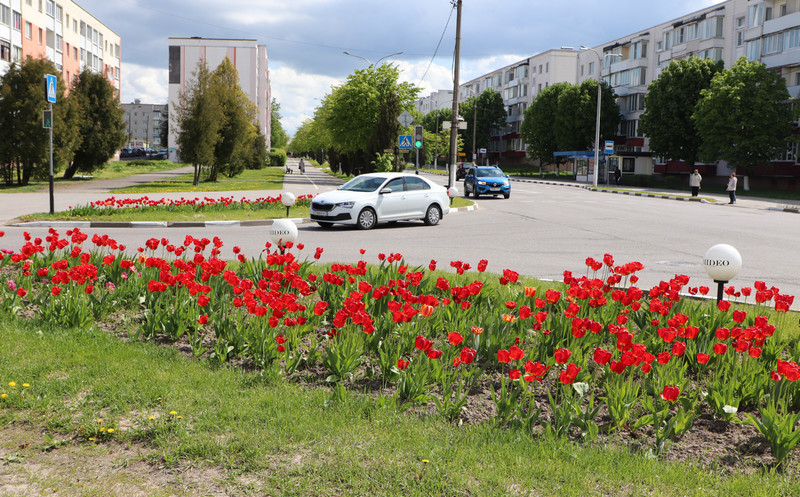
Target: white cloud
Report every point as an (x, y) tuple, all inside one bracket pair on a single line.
[(149, 84), (297, 94)]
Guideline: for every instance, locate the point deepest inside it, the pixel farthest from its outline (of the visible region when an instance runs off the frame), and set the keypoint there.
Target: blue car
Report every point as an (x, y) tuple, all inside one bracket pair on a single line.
[(486, 180)]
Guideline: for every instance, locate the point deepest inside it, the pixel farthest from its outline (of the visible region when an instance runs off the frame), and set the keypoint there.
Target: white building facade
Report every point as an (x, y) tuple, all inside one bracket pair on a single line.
[(761, 30), (249, 59), (64, 33), (144, 124)]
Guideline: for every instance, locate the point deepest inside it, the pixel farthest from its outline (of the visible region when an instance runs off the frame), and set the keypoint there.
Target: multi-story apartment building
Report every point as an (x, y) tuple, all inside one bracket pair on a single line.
[(63, 32), (438, 100), (519, 83), (144, 124), (249, 59), (762, 30)]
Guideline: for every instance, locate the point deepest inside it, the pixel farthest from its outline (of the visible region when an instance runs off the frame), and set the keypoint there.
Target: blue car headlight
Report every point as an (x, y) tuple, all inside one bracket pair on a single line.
[(482, 183)]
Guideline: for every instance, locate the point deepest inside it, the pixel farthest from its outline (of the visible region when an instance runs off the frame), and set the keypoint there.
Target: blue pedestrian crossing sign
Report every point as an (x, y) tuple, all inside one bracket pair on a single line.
[(404, 142), (50, 88)]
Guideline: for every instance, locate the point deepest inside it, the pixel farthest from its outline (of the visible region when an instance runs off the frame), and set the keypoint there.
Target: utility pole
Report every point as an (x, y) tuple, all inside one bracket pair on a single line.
[(454, 123), (474, 127), (436, 144)]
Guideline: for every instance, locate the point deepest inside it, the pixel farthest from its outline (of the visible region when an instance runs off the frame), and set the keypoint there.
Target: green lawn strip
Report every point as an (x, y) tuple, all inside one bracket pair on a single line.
[(178, 214), (111, 170), (270, 178), (285, 440)]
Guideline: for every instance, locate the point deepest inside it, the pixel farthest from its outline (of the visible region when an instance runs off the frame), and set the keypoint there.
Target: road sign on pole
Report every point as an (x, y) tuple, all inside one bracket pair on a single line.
[(50, 88), (609, 147), (404, 142), (405, 118)]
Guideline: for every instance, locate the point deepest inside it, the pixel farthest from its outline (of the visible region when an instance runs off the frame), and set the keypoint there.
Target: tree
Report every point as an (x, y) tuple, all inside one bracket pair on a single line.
[(102, 130), (361, 114), (199, 119), (745, 116), (24, 149), (564, 118), (537, 128), (670, 102), (238, 120), (278, 136), (491, 114)]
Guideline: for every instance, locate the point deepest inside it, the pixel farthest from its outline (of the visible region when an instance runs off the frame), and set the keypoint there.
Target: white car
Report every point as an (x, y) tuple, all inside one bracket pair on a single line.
[(369, 199)]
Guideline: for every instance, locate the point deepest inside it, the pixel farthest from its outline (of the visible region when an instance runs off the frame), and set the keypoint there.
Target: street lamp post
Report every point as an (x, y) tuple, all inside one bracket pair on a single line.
[(369, 61), (599, 99)]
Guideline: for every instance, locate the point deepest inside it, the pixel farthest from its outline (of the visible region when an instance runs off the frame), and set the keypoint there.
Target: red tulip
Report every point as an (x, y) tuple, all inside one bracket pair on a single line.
[(454, 338), (670, 393), (562, 355)]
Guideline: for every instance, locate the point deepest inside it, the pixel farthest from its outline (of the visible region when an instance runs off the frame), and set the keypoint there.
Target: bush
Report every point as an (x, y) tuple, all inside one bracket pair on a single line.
[(277, 158)]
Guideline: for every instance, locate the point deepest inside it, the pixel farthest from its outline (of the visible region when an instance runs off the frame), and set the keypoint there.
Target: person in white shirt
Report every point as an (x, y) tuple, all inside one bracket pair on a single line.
[(732, 188), (694, 182)]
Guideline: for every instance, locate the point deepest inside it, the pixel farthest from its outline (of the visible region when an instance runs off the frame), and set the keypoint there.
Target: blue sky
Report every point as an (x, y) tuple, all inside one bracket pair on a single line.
[(306, 39)]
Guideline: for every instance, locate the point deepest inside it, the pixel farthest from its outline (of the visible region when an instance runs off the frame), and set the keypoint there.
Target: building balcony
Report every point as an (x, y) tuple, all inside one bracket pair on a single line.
[(786, 58), (782, 23)]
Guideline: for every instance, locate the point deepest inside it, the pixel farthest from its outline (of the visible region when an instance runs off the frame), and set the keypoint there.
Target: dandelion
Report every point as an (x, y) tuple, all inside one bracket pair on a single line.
[(3, 396), (151, 418), (12, 384), (180, 417), (172, 413), (110, 430), (26, 385)]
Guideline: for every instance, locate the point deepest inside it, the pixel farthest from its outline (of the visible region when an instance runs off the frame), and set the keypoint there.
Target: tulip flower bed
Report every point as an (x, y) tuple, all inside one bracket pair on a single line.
[(593, 356), (114, 206)]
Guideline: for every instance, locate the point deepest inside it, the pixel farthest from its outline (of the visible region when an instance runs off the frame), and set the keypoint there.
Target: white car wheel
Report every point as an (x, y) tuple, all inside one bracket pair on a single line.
[(433, 215), (367, 219)]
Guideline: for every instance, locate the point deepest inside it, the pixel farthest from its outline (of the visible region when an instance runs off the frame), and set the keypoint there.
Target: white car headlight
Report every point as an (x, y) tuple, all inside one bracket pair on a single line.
[(345, 205)]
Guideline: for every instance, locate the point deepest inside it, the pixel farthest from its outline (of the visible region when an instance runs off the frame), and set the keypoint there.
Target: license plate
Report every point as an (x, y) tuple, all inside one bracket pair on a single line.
[(495, 188), (320, 213)]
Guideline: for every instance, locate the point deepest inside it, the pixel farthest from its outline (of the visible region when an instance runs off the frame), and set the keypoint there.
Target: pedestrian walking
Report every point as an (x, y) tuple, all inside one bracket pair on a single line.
[(694, 182), (302, 166), (732, 188), (617, 176)]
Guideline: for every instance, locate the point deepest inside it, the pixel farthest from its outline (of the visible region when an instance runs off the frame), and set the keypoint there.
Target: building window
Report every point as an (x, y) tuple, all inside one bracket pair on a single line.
[(75, 53), (40, 5), (791, 39), (17, 20), (5, 50), (740, 22), (628, 165), (547, 67), (773, 43), (755, 15), (591, 67), (40, 36), (51, 8), (782, 9), (753, 50), (16, 54), (739, 38), (5, 15), (768, 14), (797, 79), (75, 25), (28, 30)]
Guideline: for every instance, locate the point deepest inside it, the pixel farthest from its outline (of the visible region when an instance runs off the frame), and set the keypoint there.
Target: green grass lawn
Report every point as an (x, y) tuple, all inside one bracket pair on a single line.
[(270, 178), (111, 170), (275, 437)]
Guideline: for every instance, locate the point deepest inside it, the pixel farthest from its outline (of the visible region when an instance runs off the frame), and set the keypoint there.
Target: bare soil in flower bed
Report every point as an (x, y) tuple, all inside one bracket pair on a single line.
[(728, 447)]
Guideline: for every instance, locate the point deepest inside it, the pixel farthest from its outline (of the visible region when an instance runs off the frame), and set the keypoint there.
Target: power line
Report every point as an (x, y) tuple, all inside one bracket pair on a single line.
[(437, 45)]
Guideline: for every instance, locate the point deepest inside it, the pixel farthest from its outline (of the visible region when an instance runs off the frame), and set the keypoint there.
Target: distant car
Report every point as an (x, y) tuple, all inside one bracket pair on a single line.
[(369, 199), (486, 180), (462, 169)]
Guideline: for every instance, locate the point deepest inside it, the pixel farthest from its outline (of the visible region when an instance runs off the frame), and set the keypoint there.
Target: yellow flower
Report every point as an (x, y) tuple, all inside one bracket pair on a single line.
[(172, 413), (91, 439), (151, 418), (425, 461), (180, 417), (26, 385), (102, 430), (99, 421), (12, 384), (111, 430), (3, 396)]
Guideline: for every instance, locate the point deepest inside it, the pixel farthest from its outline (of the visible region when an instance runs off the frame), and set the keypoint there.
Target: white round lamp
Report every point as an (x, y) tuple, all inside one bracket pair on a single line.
[(282, 231), (722, 263), (288, 199)]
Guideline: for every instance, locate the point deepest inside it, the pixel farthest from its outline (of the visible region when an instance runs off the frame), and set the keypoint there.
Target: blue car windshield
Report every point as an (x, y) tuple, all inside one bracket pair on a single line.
[(363, 184), (488, 172)]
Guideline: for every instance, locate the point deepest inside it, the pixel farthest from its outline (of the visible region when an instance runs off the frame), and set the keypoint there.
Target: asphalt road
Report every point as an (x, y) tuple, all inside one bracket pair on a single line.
[(540, 231)]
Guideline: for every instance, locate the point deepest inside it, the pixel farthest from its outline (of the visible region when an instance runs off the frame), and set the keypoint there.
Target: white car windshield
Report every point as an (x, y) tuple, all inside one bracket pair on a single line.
[(363, 184)]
